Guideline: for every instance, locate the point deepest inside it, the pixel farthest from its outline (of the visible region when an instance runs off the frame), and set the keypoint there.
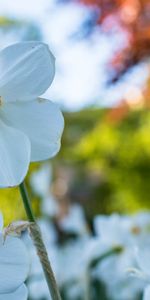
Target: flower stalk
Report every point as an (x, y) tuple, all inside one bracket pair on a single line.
[(36, 236)]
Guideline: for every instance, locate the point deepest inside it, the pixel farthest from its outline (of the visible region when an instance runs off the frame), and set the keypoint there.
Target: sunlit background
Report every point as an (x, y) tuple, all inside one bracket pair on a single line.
[(102, 84)]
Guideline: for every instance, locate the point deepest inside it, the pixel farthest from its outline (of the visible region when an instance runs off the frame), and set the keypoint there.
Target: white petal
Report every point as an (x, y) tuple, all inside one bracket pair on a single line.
[(27, 70), (147, 293), (14, 264), (14, 156), (41, 120), (143, 258), (20, 294), (1, 221)]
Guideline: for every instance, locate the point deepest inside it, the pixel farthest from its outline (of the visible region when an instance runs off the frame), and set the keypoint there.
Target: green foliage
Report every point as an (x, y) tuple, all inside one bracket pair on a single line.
[(77, 125), (11, 202), (111, 159)]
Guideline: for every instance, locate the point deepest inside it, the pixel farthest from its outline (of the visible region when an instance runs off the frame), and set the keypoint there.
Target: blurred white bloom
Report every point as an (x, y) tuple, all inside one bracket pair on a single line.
[(72, 260), (41, 179), (49, 206), (113, 230), (14, 267), (31, 127), (74, 221), (70, 264), (39, 285), (143, 260), (119, 231)]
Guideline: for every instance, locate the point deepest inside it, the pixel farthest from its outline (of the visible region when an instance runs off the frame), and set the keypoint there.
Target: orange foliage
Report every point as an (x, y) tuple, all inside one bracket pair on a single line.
[(118, 113), (132, 18)]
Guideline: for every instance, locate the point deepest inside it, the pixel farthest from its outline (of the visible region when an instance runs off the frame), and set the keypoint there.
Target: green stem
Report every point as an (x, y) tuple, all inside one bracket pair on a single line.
[(87, 285), (26, 202), (114, 250), (39, 244)]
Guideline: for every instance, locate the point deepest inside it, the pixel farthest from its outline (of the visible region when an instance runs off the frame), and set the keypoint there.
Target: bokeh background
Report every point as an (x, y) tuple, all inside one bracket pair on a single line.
[(102, 84)]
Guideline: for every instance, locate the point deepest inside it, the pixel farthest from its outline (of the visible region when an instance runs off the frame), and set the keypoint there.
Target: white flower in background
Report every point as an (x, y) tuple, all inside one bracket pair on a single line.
[(116, 231), (143, 260), (39, 285), (14, 267), (74, 221), (41, 182), (143, 271), (112, 231), (31, 127), (67, 270)]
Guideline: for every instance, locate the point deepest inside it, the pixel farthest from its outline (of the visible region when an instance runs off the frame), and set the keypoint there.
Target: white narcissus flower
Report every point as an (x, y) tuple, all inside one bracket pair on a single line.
[(31, 127), (143, 260), (116, 231), (142, 255), (14, 267)]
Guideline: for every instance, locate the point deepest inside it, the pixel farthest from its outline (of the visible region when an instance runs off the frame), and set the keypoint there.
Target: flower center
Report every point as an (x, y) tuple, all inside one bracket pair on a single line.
[(135, 230)]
